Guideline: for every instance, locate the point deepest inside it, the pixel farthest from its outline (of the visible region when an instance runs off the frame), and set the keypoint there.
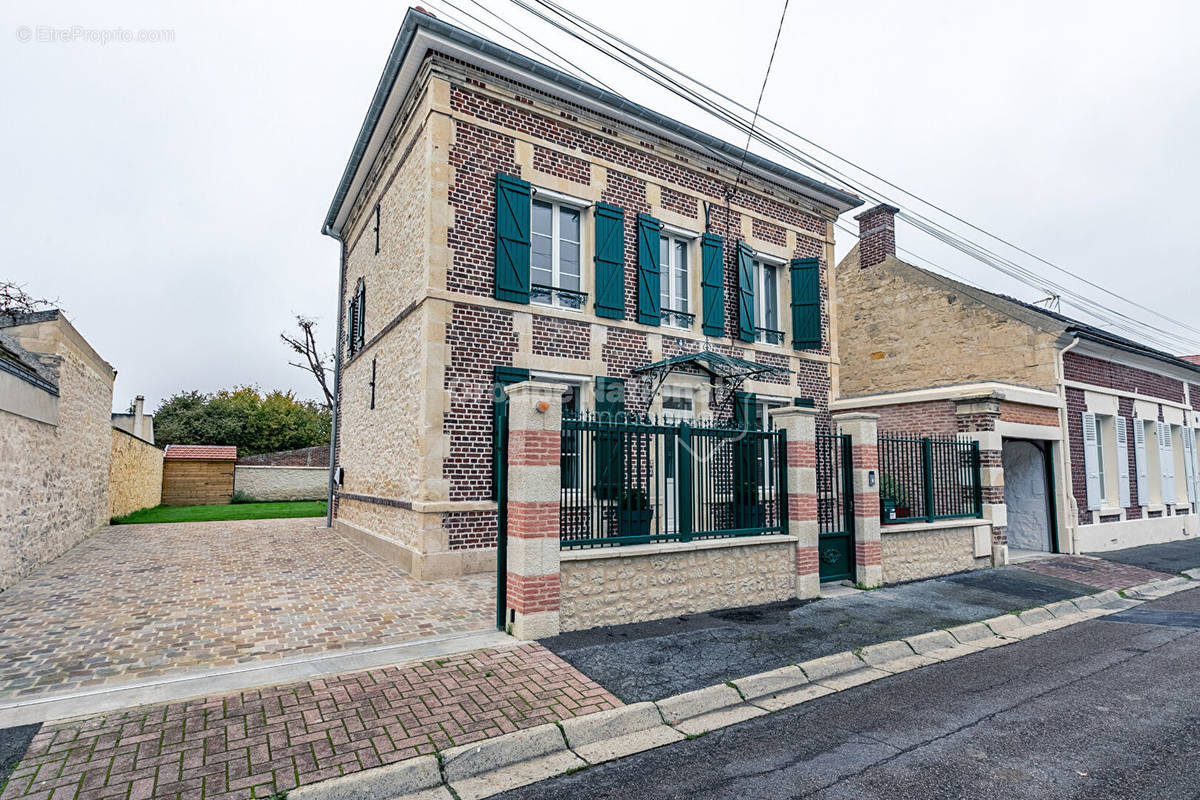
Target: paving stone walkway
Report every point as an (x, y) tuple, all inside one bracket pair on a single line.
[(256, 743), (142, 601), (1097, 572)]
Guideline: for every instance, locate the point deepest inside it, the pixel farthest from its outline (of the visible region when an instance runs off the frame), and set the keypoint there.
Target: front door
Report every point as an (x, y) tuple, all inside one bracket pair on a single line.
[(1027, 495)]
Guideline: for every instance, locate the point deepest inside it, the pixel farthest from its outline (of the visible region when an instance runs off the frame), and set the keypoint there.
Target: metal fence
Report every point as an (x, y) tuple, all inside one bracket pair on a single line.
[(835, 511), (630, 480), (928, 478)]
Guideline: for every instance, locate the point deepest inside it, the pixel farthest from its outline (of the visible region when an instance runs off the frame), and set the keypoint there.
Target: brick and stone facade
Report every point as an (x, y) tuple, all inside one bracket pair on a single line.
[(934, 356), (415, 402)]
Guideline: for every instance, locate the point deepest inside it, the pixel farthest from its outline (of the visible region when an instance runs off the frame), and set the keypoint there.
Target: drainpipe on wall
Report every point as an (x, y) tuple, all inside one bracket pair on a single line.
[(1064, 466), (337, 390)]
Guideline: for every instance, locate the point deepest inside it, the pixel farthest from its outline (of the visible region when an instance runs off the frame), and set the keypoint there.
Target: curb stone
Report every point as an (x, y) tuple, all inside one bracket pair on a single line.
[(485, 768), (618, 732), (706, 709), (976, 634), (481, 769), (780, 688), (417, 778), (840, 671)]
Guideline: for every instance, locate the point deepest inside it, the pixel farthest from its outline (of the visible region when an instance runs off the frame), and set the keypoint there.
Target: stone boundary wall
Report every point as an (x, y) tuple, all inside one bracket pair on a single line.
[(134, 474), (916, 551), (617, 585), (316, 456), (281, 483)]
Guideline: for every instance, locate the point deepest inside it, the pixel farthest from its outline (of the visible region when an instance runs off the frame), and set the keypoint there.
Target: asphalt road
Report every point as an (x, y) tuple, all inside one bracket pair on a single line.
[(1104, 709), (652, 660)]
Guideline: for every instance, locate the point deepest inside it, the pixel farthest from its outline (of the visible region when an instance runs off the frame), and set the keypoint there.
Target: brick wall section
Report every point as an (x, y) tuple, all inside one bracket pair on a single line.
[(1076, 405), (479, 339), (935, 417), (768, 231), (1194, 396), (679, 203), (622, 351), (470, 530), (561, 337), (554, 163), (982, 421), (1085, 369), (1027, 414), (476, 155)]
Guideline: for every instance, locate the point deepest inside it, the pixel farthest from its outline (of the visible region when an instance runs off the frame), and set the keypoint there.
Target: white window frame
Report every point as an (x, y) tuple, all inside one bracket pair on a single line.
[(557, 203), (761, 262), (667, 273)]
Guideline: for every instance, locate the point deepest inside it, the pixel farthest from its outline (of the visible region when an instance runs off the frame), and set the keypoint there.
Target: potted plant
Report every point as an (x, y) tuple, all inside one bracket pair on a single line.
[(893, 499), (634, 513)]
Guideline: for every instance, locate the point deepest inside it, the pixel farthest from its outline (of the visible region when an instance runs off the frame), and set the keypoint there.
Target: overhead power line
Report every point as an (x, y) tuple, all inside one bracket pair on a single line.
[(618, 49)]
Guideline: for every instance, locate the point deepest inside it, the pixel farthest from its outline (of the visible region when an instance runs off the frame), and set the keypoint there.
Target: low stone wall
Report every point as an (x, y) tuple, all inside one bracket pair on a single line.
[(282, 483), (612, 586), (134, 474), (926, 550)]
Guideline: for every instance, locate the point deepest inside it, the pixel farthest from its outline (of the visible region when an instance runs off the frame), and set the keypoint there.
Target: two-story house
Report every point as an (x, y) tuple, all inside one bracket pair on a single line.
[(503, 221)]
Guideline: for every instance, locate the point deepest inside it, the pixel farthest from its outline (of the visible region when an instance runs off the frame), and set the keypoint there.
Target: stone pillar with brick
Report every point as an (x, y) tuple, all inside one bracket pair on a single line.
[(863, 430), (977, 417), (800, 425), (534, 444)]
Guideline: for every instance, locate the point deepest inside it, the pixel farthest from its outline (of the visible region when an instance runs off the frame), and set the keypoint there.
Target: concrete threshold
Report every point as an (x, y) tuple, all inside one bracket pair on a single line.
[(201, 683)]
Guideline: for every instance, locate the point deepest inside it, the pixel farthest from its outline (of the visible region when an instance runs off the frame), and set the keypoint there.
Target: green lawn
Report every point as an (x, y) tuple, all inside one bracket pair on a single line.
[(315, 508)]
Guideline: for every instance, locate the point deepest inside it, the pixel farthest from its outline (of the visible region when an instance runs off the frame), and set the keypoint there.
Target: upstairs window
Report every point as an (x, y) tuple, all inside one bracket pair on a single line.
[(555, 255), (674, 280), (766, 302)]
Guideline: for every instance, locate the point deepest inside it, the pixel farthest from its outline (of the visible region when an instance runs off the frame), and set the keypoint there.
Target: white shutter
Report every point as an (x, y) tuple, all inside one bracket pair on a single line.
[(1191, 436), (1189, 465), (1166, 460), (1122, 462), (1139, 457), (1091, 461)]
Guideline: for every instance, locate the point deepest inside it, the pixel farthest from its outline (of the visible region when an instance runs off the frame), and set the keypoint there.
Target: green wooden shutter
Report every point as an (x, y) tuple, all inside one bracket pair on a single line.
[(806, 303), (610, 261), (350, 325), (512, 239), (610, 407), (805, 402), (503, 376), (649, 309), (745, 264), (712, 277)]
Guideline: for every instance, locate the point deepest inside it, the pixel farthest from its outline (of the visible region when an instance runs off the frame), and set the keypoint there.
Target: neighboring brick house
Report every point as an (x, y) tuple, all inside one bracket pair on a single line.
[(55, 438), (1088, 439), (500, 221)]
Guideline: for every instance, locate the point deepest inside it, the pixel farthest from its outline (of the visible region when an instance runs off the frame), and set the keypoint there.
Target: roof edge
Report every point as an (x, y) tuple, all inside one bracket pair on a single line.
[(838, 199)]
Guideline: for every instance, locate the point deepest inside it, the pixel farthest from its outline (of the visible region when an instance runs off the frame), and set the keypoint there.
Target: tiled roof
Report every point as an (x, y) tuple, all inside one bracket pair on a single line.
[(1191, 359), (201, 452)]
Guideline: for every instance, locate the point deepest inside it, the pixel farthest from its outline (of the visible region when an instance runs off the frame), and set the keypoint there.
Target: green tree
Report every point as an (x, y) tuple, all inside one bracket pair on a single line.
[(244, 418)]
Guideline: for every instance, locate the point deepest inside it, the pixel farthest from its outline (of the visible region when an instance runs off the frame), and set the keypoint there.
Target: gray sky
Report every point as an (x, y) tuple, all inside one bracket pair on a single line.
[(170, 194)]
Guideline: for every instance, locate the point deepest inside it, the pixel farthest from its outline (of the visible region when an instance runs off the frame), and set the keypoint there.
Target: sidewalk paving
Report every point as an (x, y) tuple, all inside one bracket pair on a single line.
[(1100, 573), (255, 743), (1166, 557), (140, 602)]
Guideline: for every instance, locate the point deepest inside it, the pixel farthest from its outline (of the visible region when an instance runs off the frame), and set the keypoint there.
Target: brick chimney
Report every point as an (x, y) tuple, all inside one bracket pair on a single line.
[(876, 235)]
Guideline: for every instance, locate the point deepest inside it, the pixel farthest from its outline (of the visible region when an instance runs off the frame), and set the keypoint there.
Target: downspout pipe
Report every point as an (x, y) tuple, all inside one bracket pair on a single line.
[(1064, 462), (337, 389)]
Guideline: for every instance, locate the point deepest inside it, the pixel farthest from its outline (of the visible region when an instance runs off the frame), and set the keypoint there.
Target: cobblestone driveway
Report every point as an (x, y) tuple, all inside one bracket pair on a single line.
[(141, 601)]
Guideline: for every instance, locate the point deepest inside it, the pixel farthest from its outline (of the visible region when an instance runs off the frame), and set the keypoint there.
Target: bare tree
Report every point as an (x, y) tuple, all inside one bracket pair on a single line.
[(15, 301), (305, 345)]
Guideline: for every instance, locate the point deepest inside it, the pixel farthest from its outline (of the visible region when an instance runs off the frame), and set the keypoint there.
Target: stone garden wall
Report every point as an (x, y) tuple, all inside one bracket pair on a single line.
[(282, 483), (134, 474)]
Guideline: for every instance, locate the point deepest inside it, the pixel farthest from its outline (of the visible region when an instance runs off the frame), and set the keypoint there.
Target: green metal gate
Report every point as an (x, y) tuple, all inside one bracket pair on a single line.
[(835, 506)]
